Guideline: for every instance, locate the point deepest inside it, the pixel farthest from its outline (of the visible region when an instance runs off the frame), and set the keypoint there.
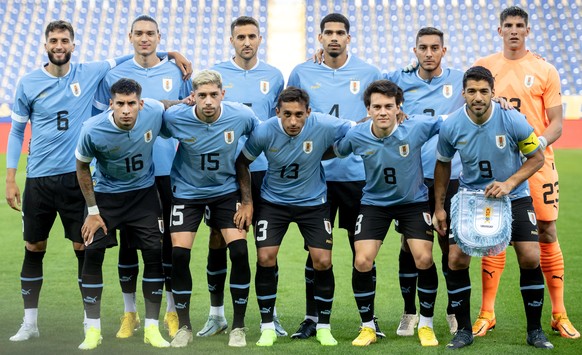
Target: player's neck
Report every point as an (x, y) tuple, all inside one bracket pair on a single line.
[(335, 62), (147, 61), (512, 54), (428, 75), (246, 64), (58, 70)]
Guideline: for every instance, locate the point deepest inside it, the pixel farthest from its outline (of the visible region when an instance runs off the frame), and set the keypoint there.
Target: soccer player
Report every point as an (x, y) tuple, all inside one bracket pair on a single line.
[(293, 190), (160, 79), (204, 178), (334, 88), (430, 89), (256, 84), (121, 195), (533, 86), (489, 141), (56, 99), (394, 190)]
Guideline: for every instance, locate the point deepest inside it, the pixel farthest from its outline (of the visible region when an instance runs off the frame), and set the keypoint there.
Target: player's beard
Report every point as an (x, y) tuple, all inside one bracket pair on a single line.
[(65, 60)]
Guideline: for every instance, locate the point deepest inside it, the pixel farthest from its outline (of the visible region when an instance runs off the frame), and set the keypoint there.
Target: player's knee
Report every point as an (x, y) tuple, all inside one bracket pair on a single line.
[(363, 263), (321, 261), (36, 247), (180, 257), (266, 259), (423, 261), (215, 240), (238, 251), (547, 231), (93, 261)]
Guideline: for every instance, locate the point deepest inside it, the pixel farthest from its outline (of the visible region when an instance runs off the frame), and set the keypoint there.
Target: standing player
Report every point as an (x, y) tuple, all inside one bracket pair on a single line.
[(394, 190), (334, 87), (489, 141), (204, 179), (533, 86), (160, 79), (121, 195), (294, 190), (430, 89), (256, 84)]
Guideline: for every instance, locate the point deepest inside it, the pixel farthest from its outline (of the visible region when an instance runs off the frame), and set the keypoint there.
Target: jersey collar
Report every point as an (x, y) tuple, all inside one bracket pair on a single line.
[(238, 67), (343, 66), (162, 61), (390, 135), (199, 120), (43, 68), (493, 108), (283, 129)]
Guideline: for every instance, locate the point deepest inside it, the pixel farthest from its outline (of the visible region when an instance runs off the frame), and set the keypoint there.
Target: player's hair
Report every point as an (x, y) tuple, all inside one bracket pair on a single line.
[(144, 18), (243, 21), (427, 31), (205, 77), (386, 88), (125, 86), (59, 25), (513, 11), (293, 94), (335, 17), (478, 73)]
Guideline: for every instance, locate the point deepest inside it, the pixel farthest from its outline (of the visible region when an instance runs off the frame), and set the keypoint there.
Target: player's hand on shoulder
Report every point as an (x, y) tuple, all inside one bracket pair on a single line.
[(13, 195), (410, 67), (503, 103), (92, 224), (318, 56)]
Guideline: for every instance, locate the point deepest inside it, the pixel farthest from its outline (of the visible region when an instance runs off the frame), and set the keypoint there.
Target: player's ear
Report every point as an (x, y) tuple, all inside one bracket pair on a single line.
[(308, 112), (444, 50), (231, 40), (140, 104)]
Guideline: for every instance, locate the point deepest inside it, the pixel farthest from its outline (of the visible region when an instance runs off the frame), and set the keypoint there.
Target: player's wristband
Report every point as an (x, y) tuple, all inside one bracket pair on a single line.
[(93, 210), (543, 142)]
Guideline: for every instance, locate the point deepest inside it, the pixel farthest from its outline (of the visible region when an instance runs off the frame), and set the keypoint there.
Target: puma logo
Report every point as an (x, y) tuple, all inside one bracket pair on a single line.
[(489, 273), (558, 277)]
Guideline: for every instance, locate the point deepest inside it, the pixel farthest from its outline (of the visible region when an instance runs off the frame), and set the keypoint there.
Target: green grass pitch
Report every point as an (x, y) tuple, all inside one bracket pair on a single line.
[(61, 314)]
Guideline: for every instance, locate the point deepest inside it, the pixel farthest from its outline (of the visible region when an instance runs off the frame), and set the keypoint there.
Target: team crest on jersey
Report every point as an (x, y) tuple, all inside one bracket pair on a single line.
[(529, 81), (355, 86), (147, 137), (265, 87), (76, 88), (308, 146), (229, 137), (532, 217), (327, 225), (448, 90), (404, 150), (500, 141), (167, 84), (427, 218)]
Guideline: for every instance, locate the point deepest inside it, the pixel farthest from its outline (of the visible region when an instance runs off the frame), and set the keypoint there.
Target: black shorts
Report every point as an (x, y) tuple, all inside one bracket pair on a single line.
[(345, 197), (43, 198), (524, 226), (136, 212), (413, 220), (313, 222), (218, 212)]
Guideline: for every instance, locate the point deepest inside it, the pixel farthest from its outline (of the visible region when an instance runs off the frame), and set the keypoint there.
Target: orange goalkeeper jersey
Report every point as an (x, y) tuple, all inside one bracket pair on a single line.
[(531, 84)]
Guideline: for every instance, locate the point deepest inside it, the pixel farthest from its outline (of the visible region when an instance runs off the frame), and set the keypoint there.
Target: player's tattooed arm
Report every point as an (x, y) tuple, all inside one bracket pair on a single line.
[(442, 175), (244, 215), (93, 222)]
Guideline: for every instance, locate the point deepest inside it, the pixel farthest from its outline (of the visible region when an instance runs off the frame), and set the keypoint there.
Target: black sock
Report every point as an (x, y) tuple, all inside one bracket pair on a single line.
[(531, 282), (240, 280), (182, 284), (324, 288), (407, 275), (310, 304), (445, 267), (31, 277), (80, 254), (152, 282), (364, 293), (93, 282), (266, 288), (428, 284), (167, 258), (216, 275), (128, 266), (460, 296)]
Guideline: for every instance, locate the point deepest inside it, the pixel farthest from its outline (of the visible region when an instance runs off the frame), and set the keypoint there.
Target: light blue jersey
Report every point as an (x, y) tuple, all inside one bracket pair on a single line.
[(56, 108), (258, 88), (204, 164), (295, 175), (393, 164), (161, 82), (338, 92), (489, 151), (123, 158), (439, 96)]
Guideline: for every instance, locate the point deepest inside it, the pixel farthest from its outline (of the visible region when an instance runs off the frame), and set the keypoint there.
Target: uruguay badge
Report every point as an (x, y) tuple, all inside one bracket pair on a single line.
[(229, 137), (308, 147), (529, 81), (404, 150), (448, 90), (265, 87), (500, 141), (147, 137), (76, 88), (167, 84), (532, 217), (355, 86)]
